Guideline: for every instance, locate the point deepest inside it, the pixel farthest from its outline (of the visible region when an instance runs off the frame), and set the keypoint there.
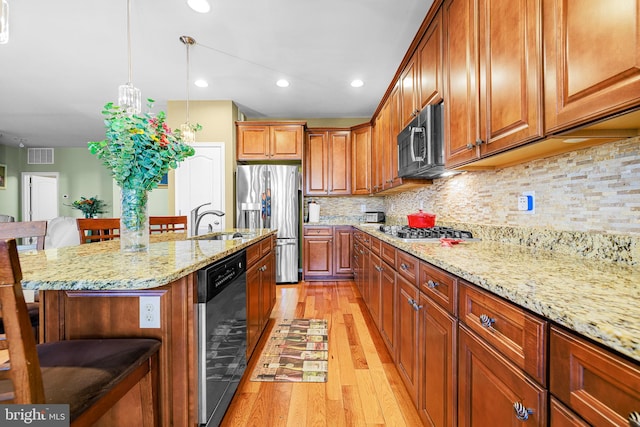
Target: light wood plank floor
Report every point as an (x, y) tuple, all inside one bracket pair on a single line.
[(363, 388)]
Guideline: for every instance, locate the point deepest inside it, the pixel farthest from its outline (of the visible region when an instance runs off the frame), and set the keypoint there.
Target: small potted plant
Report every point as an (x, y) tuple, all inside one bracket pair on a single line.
[(90, 207)]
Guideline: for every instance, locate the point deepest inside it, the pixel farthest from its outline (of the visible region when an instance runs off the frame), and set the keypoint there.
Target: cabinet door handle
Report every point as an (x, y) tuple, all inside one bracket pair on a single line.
[(522, 412), (487, 321), (431, 284), (414, 304), (470, 146), (479, 142), (634, 419), (404, 266)]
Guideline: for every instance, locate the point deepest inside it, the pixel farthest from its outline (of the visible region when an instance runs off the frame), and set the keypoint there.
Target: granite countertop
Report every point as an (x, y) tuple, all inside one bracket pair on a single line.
[(101, 266), (594, 298)]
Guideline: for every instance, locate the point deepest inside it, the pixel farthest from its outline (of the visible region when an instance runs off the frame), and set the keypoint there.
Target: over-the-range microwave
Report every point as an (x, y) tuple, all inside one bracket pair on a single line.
[(421, 145)]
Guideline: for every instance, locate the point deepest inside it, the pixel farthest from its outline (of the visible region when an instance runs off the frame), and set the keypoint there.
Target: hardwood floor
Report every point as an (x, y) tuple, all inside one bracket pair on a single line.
[(363, 388)]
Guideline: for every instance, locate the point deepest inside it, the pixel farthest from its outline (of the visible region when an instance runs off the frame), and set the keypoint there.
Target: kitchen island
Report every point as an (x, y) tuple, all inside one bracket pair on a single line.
[(94, 290)]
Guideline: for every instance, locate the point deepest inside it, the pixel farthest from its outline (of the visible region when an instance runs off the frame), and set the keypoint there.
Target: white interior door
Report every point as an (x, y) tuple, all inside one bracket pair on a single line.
[(199, 180), (39, 196)]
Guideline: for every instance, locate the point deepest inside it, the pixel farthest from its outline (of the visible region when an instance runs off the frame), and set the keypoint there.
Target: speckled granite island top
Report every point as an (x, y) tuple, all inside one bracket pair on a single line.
[(101, 266), (599, 300)]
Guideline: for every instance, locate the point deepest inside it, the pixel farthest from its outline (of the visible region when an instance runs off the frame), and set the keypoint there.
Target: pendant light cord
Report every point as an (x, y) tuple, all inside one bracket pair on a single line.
[(129, 41), (188, 41), (188, 46)]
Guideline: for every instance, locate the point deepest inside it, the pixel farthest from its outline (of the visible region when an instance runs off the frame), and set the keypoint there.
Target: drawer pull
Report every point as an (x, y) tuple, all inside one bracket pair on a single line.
[(378, 268), (404, 266), (522, 412), (414, 304), (431, 284), (634, 419), (487, 321)]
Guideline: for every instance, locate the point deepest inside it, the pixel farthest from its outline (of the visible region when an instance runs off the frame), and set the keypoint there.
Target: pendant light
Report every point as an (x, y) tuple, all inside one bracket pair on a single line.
[(4, 22), (129, 96), (186, 130)]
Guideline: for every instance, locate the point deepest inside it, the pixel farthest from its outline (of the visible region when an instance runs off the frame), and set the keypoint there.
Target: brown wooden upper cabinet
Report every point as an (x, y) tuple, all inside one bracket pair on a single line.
[(409, 87), (361, 159), (493, 94), (592, 60), (429, 57), (269, 140), (327, 162)]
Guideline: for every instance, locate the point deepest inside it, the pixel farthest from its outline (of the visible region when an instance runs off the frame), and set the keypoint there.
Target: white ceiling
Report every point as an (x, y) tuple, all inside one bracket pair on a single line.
[(66, 59)]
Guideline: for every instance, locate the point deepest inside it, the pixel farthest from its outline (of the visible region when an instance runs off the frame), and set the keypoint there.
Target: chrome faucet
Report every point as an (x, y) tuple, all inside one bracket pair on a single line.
[(197, 217)]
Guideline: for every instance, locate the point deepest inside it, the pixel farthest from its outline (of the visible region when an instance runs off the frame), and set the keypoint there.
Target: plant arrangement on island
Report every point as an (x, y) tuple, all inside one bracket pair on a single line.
[(89, 207), (138, 150)]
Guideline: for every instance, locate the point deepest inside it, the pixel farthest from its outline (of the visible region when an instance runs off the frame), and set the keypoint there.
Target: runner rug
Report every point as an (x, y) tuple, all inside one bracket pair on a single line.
[(296, 351)]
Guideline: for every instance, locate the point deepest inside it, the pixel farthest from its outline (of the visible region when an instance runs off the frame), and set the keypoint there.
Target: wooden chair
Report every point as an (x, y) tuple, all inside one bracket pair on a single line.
[(98, 229), (90, 375), (16, 230), (163, 224)]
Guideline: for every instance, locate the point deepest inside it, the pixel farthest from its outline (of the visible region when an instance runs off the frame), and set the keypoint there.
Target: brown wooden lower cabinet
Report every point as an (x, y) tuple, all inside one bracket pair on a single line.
[(375, 287), (388, 308), (318, 257), (261, 279), (489, 387), (599, 386), (327, 252), (408, 318), (561, 416), (437, 397)]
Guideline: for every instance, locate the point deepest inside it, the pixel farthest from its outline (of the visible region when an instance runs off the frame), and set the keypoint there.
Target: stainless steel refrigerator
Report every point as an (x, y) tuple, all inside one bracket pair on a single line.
[(274, 190)]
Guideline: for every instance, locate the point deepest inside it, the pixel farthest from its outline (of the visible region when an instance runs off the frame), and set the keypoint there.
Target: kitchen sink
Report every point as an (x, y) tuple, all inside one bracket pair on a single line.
[(227, 236)]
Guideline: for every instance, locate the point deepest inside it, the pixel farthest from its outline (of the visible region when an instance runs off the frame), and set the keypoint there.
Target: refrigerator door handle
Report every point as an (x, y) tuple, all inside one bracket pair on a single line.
[(285, 243)]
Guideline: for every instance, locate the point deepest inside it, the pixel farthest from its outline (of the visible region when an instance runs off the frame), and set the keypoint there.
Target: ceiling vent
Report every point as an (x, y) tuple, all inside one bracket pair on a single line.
[(40, 156)]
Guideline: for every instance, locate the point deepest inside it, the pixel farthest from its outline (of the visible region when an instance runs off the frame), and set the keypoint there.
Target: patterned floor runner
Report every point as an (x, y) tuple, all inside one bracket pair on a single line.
[(296, 351)]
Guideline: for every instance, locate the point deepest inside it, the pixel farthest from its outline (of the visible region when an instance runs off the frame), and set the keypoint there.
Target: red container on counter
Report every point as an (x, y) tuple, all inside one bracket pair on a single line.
[(421, 220)]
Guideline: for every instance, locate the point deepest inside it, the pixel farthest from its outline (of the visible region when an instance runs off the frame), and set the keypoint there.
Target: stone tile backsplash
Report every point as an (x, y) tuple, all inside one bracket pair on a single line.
[(587, 202), (344, 210)]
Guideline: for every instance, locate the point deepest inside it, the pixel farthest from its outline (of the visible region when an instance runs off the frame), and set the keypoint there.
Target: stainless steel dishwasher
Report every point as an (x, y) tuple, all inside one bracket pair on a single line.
[(222, 335)]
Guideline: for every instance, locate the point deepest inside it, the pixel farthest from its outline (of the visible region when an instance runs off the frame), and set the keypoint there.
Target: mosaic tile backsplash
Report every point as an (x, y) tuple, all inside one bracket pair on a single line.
[(587, 203)]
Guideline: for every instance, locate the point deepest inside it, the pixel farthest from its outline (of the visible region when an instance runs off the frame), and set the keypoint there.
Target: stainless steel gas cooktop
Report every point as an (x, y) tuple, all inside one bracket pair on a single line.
[(433, 234)]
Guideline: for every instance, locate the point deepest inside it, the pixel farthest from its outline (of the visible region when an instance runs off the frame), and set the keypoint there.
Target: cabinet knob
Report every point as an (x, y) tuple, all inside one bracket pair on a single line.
[(431, 284), (634, 419), (487, 321), (470, 146), (522, 412), (404, 266), (479, 142)]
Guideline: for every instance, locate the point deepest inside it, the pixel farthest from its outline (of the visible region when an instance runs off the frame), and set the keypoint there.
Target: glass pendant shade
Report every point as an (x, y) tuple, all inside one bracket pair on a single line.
[(130, 98), (4, 22), (188, 135)]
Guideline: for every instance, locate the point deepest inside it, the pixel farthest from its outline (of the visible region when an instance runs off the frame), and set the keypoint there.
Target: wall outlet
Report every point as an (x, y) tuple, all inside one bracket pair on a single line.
[(527, 202), (149, 312), (363, 207), (421, 204)]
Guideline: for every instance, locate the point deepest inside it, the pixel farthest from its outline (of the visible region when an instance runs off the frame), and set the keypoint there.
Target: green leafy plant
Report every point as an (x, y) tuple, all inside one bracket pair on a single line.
[(139, 149), (89, 207)]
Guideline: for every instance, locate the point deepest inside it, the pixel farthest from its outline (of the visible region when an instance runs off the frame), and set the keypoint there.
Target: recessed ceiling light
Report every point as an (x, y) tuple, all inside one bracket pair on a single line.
[(282, 83), (201, 83), (201, 6), (357, 83)]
